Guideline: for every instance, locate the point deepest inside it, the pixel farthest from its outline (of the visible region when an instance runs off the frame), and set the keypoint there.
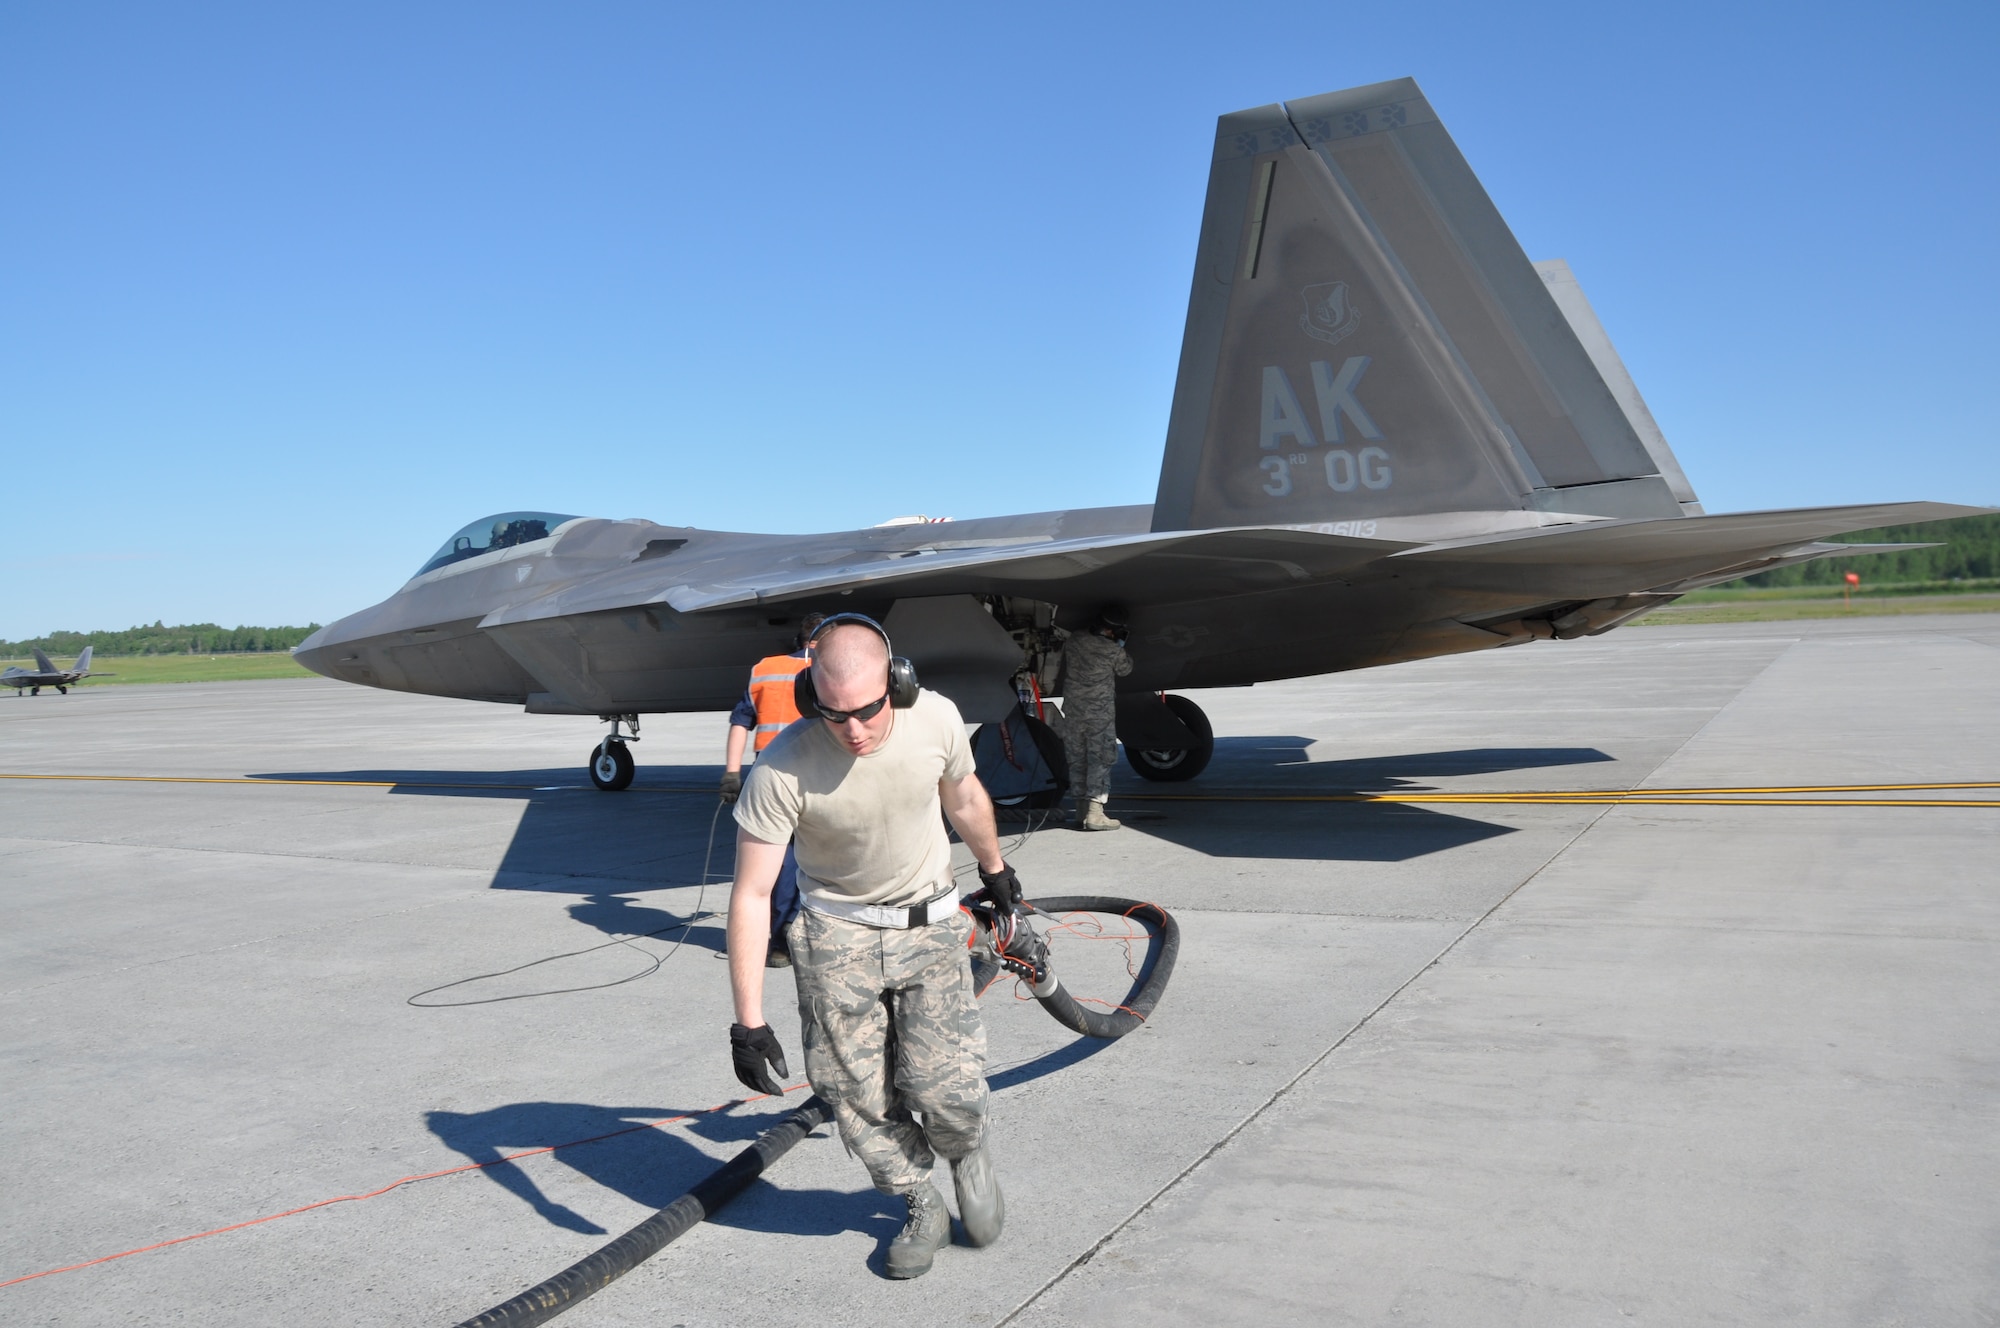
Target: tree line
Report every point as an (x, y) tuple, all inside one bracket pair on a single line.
[(159, 639), (1969, 550)]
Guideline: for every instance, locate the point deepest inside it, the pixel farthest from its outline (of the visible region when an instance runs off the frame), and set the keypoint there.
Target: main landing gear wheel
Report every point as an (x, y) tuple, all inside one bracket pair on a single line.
[(611, 766), (1172, 765)]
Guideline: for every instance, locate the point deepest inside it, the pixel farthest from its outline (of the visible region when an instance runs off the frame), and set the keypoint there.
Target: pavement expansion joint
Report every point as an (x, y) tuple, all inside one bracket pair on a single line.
[(1742, 1040), (1285, 1088)]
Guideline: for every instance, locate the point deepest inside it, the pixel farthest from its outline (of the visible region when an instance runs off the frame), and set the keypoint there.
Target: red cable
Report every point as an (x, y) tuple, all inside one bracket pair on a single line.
[(481, 1166), (428, 1175)]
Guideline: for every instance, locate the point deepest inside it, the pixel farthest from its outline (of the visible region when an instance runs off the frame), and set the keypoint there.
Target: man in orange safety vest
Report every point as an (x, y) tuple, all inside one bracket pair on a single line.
[(765, 711)]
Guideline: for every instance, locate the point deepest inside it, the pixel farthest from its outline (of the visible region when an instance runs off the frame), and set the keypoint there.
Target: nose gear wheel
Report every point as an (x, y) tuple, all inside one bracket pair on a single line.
[(611, 766)]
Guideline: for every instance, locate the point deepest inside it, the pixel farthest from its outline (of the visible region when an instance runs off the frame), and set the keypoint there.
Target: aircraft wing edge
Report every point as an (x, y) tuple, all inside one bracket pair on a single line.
[(1048, 563), (1722, 532), (1052, 563)]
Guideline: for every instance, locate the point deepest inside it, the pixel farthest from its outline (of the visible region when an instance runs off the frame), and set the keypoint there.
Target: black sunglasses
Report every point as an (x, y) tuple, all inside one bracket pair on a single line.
[(862, 713)]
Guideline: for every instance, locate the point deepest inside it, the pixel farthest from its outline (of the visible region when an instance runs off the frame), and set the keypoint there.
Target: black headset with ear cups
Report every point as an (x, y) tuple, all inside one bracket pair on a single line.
[(902, 674)]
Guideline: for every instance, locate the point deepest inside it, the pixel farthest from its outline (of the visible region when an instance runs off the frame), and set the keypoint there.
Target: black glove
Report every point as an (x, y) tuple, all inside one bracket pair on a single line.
[(1003, 888), (732, 784), (1025, 954), (750, 1048)]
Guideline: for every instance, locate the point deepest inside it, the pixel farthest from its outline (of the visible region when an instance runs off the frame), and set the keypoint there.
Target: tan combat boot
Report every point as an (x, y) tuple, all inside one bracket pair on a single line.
[(927, 1232), (1094, 817), (982, 1209)]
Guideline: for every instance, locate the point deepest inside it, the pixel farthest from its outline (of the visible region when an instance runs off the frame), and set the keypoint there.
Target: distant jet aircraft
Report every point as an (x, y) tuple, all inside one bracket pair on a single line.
[(46, 674), (1392, 437)]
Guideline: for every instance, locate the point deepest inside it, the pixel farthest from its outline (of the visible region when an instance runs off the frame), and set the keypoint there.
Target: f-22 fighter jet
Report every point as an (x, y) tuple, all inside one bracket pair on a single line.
[(46, 674), (1392, 437)]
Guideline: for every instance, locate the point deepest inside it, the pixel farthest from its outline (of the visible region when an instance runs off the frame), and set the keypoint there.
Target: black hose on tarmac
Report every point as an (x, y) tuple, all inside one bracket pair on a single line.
[(541, 1303), (1146, 991)]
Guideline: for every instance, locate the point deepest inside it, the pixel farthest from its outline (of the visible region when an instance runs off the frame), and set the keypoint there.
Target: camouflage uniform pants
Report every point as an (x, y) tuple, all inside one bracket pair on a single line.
[(1090, 735), (891, 1029)]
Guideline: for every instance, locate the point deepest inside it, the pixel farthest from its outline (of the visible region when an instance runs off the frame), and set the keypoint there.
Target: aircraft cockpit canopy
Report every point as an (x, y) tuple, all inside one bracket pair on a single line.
[(503, 530)]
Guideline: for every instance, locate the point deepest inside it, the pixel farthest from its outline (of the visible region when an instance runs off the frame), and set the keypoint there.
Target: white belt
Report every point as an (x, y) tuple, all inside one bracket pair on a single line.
[(882, 915)]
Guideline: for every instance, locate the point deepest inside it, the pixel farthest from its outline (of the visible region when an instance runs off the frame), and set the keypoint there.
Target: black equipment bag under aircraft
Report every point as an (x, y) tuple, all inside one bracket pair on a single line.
[(1021, 761)]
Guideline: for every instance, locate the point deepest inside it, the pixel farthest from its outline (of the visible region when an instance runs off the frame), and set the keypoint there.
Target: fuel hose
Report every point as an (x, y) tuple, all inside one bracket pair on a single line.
[(1147, 988), (539, 1304)]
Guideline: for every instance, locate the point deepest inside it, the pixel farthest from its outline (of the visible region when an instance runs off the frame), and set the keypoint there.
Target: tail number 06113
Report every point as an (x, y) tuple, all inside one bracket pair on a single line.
[(1345, 471)]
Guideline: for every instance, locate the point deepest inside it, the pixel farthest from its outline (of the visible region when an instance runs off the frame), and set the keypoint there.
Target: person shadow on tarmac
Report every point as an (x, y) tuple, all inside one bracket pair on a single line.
[(652, 1167)]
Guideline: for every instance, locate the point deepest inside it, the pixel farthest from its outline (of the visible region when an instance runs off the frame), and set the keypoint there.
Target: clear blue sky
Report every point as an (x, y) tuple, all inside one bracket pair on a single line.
[(290, 292)]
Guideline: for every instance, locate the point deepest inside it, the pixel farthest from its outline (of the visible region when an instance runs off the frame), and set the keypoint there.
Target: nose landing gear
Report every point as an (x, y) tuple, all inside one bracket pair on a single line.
[(611, 766)]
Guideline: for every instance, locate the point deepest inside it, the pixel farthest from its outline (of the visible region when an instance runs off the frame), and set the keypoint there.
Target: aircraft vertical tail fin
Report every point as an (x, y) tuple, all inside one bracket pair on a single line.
[(1366, 338), (83, 660), (1596, 343), (44, 663)]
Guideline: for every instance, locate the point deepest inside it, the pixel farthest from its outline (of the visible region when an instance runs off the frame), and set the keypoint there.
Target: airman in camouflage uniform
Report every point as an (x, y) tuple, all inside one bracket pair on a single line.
[(891, 1025), (1093, 661)]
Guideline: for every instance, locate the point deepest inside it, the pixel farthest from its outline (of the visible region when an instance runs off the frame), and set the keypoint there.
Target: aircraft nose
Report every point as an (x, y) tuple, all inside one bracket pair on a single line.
[(319, 661), (318, 651)]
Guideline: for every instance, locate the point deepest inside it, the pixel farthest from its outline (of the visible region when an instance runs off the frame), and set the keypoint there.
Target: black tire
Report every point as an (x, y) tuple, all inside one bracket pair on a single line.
[(1174, 765), (611, 766)]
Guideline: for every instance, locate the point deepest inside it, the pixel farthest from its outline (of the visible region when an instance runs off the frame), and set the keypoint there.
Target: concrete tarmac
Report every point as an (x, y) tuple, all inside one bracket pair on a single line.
[(1421, 1064)]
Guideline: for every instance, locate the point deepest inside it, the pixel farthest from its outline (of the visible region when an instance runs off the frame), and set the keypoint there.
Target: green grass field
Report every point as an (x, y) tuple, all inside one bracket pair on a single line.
[(184, 668), (1789, 609), (1742, 594)]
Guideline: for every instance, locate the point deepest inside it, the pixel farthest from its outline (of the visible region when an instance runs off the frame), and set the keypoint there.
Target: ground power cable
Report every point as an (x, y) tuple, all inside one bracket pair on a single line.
[(658, 961), (694, 916), (648, 1238), (545, 1300)]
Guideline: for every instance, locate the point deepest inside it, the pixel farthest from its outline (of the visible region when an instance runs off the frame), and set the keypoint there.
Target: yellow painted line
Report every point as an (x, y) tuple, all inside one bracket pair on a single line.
[(1627, 800), (1750, 796), (1716, 797), (1772, 788), (333, 783), (1608, 799)]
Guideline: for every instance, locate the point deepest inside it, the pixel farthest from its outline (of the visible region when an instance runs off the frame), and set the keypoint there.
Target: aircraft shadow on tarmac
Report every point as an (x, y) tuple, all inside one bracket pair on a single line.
[(606, 848), (1323, 831), (651, 1167)]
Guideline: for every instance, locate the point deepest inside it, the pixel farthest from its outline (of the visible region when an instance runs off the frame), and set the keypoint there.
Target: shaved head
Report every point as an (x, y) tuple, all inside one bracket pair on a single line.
[(850, 653), (851, 670)]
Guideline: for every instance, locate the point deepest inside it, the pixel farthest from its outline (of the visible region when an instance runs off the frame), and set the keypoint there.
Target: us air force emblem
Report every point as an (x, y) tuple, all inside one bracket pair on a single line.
[(1328, 316)]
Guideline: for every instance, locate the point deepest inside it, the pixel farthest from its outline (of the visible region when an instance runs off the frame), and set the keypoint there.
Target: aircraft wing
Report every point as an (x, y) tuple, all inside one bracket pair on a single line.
[(1698, 538), (1158, 567), (1136, 568), (1144, 569)]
